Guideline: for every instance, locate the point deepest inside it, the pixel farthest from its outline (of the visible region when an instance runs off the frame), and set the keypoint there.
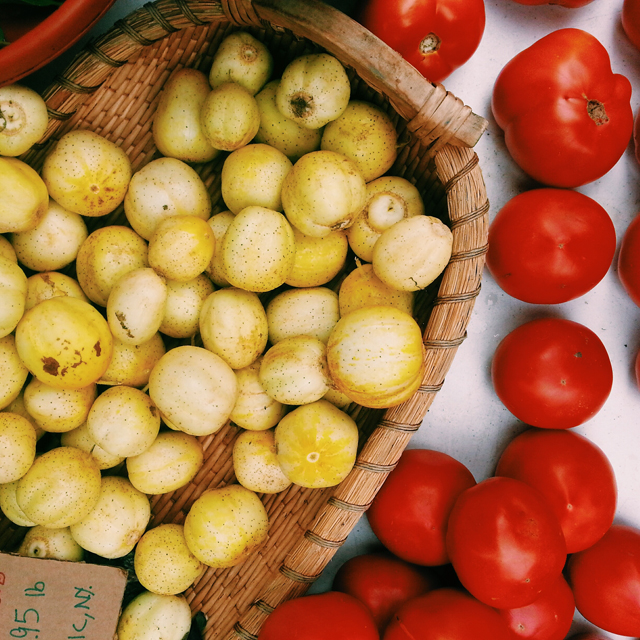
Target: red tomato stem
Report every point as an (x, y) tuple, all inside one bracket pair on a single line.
[(597, 112), (429, 44)]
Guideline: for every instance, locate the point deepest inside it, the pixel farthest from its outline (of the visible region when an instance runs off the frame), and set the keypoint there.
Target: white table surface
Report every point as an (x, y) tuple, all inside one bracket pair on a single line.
[(476, 430)]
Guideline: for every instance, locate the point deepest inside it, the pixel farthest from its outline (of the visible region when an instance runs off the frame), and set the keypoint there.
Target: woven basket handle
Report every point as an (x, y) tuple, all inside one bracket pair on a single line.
[(436, 116)]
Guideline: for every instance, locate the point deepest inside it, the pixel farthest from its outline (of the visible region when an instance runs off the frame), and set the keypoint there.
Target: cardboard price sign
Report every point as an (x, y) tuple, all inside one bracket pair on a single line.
[(54, 600)]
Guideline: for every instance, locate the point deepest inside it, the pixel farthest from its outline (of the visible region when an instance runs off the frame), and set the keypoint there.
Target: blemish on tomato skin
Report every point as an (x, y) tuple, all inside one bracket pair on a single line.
[(97, 348), (80, 360), (50, 366)]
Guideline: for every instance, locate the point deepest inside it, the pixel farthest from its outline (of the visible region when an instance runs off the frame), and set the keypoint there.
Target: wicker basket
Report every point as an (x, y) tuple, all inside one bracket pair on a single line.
[(112, 87)]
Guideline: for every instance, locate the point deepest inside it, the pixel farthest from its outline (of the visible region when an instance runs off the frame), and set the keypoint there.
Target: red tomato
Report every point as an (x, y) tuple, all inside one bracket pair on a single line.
[(382, 583), (325, 616), (629, 260), (588, 636), (435, 36), (409, 514), (605, 579), (552, 373), (548, 246), (570, 4), (548, 617), (446, 614), (573, 474), (566, 116), (630, 19), (505, 543)]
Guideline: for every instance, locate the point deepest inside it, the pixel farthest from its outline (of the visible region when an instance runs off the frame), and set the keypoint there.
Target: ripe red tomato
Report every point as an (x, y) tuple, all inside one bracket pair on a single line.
[(446, 614), (382, 583), (548, 246), (505, 542), (570, 4), (552, 373), (435, 36), (566, 116), (548, 617), (573, 474), (629, 260), (409, 514), (630, 19), (324, 616), (605, 579)]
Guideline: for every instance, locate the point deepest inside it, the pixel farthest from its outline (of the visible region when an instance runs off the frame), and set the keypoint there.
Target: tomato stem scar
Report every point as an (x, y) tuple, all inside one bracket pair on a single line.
[(429, 44)]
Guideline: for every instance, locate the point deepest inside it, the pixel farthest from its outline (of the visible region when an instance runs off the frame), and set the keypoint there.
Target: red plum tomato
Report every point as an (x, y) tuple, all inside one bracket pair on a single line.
[(630, 19), (435, 36), (505, 542), (566, 117), (629, 260), (410, 511), (382, 583), (325, 616), (446, 614), (552, 373), (548, 617), (548, 246), (569, 4), (605, 579), (572, 473)]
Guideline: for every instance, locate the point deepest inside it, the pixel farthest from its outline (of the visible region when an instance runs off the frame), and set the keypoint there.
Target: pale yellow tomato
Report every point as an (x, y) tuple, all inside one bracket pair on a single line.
[(58, 410), (318, 259), (17, 446), (177, 131), (230, 116), (163, 562), (131, 364), (105, 256), (86, 173), (323, 192), (255, 462), (258, 250), (316, 445), (171, 462), (61, 487), (23, 119), (281, 132), (194, 389), (44, 542), (64, 342), (233, 325), (54, 242), (13, 373), (165, 187), (13, 295), (241, 58), (24, 196), (226, 525), (117, 521), (150, 616), (376, 356), (366, 134), (314, 90)]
